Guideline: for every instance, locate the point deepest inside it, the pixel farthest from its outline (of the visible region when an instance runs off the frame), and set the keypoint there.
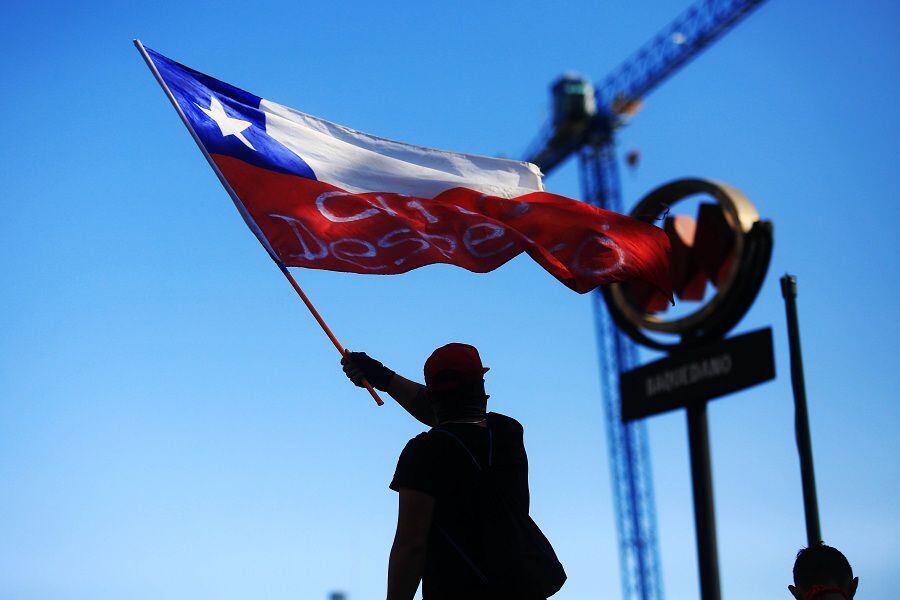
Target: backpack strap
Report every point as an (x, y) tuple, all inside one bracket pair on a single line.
[(466, 448), (462, 553)]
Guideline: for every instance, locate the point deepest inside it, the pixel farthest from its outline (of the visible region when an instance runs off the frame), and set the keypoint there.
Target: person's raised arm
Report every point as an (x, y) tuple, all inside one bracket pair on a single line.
[(413, 398), (408, 394)]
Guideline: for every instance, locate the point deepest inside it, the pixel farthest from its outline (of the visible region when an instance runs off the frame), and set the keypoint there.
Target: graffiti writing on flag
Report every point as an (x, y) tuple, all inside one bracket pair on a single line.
[(398, 246), (312, 224)]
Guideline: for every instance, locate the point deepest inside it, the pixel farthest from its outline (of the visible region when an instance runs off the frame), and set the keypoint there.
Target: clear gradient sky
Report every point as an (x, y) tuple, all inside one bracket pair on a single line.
[(174, 425)]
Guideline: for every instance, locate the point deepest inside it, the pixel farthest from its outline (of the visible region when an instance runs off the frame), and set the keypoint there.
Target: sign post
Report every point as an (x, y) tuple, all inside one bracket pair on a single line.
[(729, 247), (704, 512), (690, 379)]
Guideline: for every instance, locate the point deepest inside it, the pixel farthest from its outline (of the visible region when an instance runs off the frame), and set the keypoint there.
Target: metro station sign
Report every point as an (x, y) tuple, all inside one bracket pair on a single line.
[(696, 375)]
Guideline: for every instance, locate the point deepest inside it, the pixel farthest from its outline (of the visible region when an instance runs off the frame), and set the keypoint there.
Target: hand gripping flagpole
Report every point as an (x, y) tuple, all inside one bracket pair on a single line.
[(248, 218)]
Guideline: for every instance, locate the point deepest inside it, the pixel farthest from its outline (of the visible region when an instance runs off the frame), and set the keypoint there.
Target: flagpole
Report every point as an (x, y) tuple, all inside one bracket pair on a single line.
[(248, 218), (323, 325)]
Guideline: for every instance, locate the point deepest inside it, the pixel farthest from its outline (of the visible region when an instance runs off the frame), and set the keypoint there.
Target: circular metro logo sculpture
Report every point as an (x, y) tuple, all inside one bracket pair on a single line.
[(718, 263)]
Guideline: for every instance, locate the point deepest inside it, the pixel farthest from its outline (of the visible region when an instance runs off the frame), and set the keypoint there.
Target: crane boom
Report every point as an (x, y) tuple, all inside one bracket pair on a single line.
[(673, 47), (620, 91)]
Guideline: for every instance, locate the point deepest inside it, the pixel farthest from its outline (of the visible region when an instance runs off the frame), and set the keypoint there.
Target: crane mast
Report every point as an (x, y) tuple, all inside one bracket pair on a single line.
[(629, 460), (585, 119)]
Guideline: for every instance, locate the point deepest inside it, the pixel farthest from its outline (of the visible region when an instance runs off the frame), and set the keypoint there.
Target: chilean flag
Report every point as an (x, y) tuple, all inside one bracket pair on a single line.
[(323, 196)]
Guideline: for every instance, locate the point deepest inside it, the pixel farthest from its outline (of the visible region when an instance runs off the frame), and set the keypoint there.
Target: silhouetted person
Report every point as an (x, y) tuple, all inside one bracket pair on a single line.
[(823, 573), (441, 478)]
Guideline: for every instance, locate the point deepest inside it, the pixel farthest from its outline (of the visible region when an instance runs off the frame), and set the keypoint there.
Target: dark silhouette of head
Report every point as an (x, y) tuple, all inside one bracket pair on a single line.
[(822, 573), (454, 377)]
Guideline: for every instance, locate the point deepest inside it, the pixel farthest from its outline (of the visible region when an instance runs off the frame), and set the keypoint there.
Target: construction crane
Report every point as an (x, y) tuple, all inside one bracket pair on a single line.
[(584, 122)]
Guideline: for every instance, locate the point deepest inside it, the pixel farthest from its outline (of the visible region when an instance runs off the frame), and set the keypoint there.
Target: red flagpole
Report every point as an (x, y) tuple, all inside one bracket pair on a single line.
[(323, 325)]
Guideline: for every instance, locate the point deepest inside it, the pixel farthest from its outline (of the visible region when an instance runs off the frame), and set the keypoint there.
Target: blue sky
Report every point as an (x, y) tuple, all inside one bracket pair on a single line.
[(174, 425)]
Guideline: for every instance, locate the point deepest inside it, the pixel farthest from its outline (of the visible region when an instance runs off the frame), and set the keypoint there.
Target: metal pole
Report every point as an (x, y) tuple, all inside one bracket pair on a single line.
[(801, 416), (704, 513)]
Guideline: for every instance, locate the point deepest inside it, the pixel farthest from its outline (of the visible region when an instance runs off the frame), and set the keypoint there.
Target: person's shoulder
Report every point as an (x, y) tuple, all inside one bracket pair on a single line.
[(422, 443), (423, 439), (415, 467), (499, 420), (420, 450)]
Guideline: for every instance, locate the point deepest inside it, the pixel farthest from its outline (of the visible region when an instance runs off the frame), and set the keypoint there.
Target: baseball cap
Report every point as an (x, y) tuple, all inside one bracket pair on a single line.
[(452, 365)]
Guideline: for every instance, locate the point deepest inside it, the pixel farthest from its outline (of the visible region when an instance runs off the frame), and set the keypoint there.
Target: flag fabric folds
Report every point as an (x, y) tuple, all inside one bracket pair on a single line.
[(323, 196)]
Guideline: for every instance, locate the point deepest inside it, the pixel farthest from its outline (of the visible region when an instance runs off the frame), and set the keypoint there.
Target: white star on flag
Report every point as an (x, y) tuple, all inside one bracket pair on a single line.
[(227, 125)]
